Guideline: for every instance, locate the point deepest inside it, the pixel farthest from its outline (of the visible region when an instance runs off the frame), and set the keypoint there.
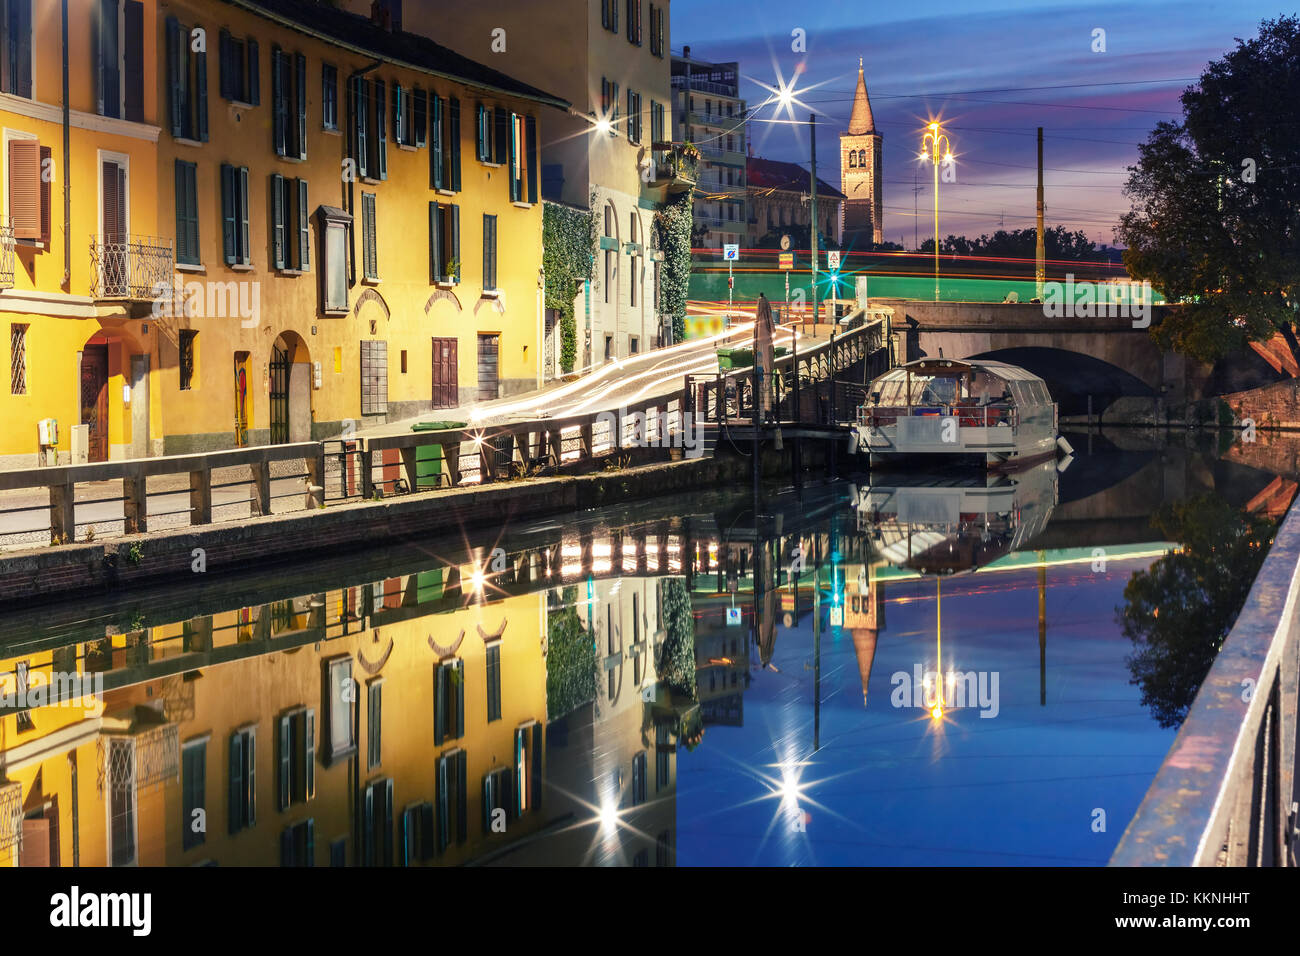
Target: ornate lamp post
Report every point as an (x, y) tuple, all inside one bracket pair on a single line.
[(936, 147)]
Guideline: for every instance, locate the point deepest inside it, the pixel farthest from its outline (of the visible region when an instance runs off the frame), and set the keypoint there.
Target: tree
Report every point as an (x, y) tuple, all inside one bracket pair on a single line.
[(1179, 610), (676, 667), (1215, 221), (673, 223), (568, 253), (1058, 243)]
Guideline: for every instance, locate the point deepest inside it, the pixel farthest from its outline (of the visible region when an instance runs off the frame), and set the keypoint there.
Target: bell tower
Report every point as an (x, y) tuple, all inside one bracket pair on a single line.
[(861, 171)]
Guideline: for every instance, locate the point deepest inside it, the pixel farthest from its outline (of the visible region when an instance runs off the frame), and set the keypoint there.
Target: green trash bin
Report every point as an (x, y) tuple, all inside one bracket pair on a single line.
[(428, 458)]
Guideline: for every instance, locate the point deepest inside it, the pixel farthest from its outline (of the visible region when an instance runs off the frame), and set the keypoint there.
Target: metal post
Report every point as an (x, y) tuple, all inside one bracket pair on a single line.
[(1040, 258), (812, 212)]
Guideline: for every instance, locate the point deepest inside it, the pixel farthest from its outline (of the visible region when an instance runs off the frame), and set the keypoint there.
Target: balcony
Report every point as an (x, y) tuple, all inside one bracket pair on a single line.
[(6, 255), (131, 268), (674, 166)]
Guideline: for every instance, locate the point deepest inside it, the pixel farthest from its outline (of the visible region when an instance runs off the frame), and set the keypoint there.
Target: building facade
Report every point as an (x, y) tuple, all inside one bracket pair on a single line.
[(862, 172), (780, 196), (298, 226), (709, 112)]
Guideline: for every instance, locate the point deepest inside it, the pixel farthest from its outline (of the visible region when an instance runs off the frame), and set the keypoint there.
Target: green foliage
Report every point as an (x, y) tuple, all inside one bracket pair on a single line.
[(570, 663), (134, 554), (1215, 202), (673, 224), (1058, 243), (568, 257), (677, 668), (1179, 610)]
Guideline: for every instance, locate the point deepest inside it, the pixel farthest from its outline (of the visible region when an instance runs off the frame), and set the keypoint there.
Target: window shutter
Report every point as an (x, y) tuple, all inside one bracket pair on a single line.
[(286, 756), (175, 78), (254, 75), (462, 798), (435, 274), (444, 805), (25, 188), (200, 91), (404, 837), (535, 784), (513, 175), (455, 144), (460, 664), (309, 735), (286, 846), (370, 231), (487, 284), (421, 116), (399, 125), (133, 59), (45, 156), (487, 802), (479, 144), (250, 782), (309, 857), (381, 126), (304, 228), (440, 674), (361, 123), (236, 795), (242, 199), (224, 70), (368, 837), (182, 211), (500, 143), (530, 153), (435, 154), (426, 831), (455, 253), (300, 92), (388, 822), (228, 216), (279, 123)]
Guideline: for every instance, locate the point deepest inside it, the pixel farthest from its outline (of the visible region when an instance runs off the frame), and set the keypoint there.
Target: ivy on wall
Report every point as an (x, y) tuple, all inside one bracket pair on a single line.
[(568, 257), (673, 226)]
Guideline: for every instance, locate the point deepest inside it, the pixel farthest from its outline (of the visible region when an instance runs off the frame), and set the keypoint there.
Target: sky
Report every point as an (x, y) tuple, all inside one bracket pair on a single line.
[(993, 73)]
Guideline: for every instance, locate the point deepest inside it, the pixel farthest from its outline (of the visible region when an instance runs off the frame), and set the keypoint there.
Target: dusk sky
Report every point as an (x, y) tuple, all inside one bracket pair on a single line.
[(993, 72)]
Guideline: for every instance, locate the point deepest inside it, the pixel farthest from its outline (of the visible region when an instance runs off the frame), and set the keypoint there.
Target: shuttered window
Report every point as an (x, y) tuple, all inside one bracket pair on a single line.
[(417, 836), (118, 50), (609, 104), (498, 795), (444, 157), (444, 242), (290, 231), (359, 108), (296, 757), (288, 104), (374, 724), (657, 29), (452, 803), (369, 255), (377, 833), (298, 844), (16, 70), (379, 142), (449, 700), (494, 683), (242, 798), (483, 134), (374, 377), (500, 136), (329, 96), (633, 117), (234, 214), (656, 122), (27, 194), (609, 15), (410, 115), (194, 783), (240, 70), (489, 252), (339, 700), (187, 84), (187, 213), (639, 779), (634, 21)]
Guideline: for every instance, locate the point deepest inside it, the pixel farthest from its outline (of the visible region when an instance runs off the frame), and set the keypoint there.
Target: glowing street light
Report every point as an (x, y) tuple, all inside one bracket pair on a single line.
[(933, 142)]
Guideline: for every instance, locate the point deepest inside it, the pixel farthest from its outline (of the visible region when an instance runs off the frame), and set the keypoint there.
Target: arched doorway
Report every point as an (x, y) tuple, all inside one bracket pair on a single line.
[(290, 395), (94, 396), (113, 386)]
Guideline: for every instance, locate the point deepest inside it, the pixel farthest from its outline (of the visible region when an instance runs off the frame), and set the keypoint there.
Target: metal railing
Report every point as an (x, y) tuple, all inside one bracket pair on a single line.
[(130, 267), (673, 165), (1226, 792), (6, 254)]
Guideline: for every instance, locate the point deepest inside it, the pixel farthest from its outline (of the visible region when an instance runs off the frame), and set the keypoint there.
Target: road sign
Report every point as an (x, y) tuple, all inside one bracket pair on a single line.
[(832, 260), (785, 242), (787, 260), (733, 616), (731, 250)]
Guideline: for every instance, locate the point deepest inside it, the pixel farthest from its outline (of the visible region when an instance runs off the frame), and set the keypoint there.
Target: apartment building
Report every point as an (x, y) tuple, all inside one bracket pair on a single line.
[(709, 112)]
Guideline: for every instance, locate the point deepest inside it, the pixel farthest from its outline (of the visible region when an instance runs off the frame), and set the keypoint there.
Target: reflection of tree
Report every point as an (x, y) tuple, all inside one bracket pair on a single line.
[(1179, 610), (676, 666), (570, 663)]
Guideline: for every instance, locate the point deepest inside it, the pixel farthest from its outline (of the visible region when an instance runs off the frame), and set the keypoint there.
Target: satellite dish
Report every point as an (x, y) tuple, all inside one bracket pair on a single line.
[(785, 243)]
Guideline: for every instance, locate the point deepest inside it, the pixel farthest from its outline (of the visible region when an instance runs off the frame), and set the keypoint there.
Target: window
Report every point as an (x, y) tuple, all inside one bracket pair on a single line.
[(234, 214), (494, 682), (663, 849), (187, 213), (489, 252), (375, 724), (862, 158), (296, 757), (243, 785), (121, 807), (298, 844), (16, 47), (453, 799), (610, 246), (290, 224), (609, 104), (528, 767), (29, 191), (374, 377), (523, 150), (118, 45), (410, 115), (335, 225), (483, 134), (339, 852), (288, 103), (17, 359), (609, 15), (633, 117), (449, 700), (369, 257), (186, 349), (377, 832), (657, 29), (444, 157), (194, 769), (417, 833), (853, 159), (656, 122), (634, 21), (444, 242), (369, 142), (663, 753), (240, 77), (639, 779), (329, 96), (339, 698), (187, 84), (634, 236)]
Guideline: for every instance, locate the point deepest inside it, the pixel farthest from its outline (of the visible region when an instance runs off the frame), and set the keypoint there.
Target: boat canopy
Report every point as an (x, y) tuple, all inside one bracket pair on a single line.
[(949, 381)]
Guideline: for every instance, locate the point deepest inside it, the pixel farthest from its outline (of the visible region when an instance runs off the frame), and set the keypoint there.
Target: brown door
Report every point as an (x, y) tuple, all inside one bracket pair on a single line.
[(94, 399), (446, 380)]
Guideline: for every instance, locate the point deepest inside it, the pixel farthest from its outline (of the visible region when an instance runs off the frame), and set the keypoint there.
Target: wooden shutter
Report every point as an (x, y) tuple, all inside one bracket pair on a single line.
[(439, 694), (242, 200), (236, 794), (435, 243), (426, 830), (225, 65), (187, 223), (25, 188), (530, 156), (229, 216), (250, 778), (175, 78), (285, 763), (381, 128), (535, 768), (513, 174), (500, 134), (45, 157), (371, 252), (300, 96), (421, 116), (277, 214), (368, 836), (304, 228), (460, 699), (388, 822), (133, 59), (279, 124), (435, 154), (108, 88), (487, 284), (254, 75), (360, 124), (444, 805), (199, 95), (309, 735), (462, 797), (488, 800), (455, 253), (482, 151), (454, 133), (399, 121)]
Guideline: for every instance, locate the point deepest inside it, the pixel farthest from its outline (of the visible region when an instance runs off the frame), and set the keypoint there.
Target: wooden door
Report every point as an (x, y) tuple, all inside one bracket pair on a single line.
[(279, 396), (241, 399), (113, 232), (446, 377), (94, 399), (489, 364)]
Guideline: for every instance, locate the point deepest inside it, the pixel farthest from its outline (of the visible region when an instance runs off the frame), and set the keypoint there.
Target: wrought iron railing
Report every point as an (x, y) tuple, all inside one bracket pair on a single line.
[(675, 164), (11, 816), (6, 254), (131, 267), (154, 758)]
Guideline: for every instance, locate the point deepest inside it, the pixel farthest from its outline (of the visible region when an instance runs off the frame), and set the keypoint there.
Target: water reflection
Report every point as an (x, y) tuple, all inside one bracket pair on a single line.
[(920, 671)]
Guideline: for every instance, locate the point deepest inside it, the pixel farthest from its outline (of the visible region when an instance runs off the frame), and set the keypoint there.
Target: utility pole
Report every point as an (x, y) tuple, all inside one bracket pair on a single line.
[(1040, 257), (812, 218), (916, 207)]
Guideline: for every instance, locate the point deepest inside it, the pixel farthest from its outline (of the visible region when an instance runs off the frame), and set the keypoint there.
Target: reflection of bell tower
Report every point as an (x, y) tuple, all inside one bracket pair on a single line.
[(864, 617), (861, 173)]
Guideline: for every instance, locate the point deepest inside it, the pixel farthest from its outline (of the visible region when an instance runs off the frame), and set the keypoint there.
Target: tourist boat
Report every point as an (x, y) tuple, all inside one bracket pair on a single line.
[(994, 412)]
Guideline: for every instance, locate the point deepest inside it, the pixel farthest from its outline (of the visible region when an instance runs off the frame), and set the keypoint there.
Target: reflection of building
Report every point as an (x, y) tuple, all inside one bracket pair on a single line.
[(714, 120), (722, 659), (864, 618)]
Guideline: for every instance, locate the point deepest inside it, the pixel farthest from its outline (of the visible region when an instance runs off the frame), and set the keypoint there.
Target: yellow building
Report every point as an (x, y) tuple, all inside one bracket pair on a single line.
[(350, 228)]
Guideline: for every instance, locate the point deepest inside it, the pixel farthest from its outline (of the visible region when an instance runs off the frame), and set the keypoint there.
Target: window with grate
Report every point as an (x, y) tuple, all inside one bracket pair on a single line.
[(369, 257), (187, 358), (374, 377), (17, 359)]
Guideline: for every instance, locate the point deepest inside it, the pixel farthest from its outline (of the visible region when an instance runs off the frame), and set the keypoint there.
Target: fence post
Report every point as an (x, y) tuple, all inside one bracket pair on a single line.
[(315, 497), (585, 440), (408, 467), (135, 502), (367, 472), (261, 489), (451, 459), (63, 512), (201, 496)]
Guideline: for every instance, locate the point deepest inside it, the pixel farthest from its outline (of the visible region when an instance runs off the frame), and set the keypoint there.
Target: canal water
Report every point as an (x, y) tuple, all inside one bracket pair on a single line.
[(897, 669)]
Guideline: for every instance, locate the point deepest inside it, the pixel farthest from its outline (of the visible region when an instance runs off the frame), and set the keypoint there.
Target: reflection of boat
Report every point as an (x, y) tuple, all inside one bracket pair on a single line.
[(999, 413), (950, 526)]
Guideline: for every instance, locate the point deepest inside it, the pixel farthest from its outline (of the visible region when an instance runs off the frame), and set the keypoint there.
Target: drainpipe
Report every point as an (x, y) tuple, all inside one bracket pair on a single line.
[(350, 202), (67, 188)]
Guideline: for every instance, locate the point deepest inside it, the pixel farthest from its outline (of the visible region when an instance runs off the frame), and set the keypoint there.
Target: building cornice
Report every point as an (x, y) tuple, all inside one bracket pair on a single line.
[(51, 113)]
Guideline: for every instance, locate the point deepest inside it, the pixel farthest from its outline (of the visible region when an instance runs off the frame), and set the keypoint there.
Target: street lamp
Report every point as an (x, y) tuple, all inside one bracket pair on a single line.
[(939, 148)]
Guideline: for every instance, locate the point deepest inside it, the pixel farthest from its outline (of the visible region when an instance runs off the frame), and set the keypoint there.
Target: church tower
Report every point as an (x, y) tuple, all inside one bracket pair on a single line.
[(861, 172)]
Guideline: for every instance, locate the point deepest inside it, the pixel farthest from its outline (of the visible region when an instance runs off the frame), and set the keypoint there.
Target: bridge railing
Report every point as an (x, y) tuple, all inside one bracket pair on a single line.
[(1226, 792)]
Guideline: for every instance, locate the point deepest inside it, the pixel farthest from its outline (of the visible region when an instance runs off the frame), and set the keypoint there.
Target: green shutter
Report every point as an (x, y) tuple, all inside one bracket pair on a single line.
[(487, 802), (421, 117), (462, 797), (399, 121), (444, 805), (381, 127), (250, 781), (439, 681), (229, 216), (279, 121), (360, 125), (309, 734), (435, 246), (455, 253), (512, 169), (200, 93), (455, 144), (310, 855), (480, 133), (304, 228), (277, 221), (435, 154), (236, 794), (286, 757), (300, 93), (175, 77), (501, 132), (536, 768), (530, 150), (254, 75), (368, 836), (388, 822), (243, 214), (460, 664)]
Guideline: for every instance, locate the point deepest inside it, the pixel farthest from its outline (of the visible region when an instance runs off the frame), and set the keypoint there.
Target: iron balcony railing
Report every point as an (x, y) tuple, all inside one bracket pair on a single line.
[(675, 166), (130, 267), (6, 254)]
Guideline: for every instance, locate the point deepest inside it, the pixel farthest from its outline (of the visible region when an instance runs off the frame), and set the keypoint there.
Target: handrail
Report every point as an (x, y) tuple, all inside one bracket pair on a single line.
[(1225, 794)]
